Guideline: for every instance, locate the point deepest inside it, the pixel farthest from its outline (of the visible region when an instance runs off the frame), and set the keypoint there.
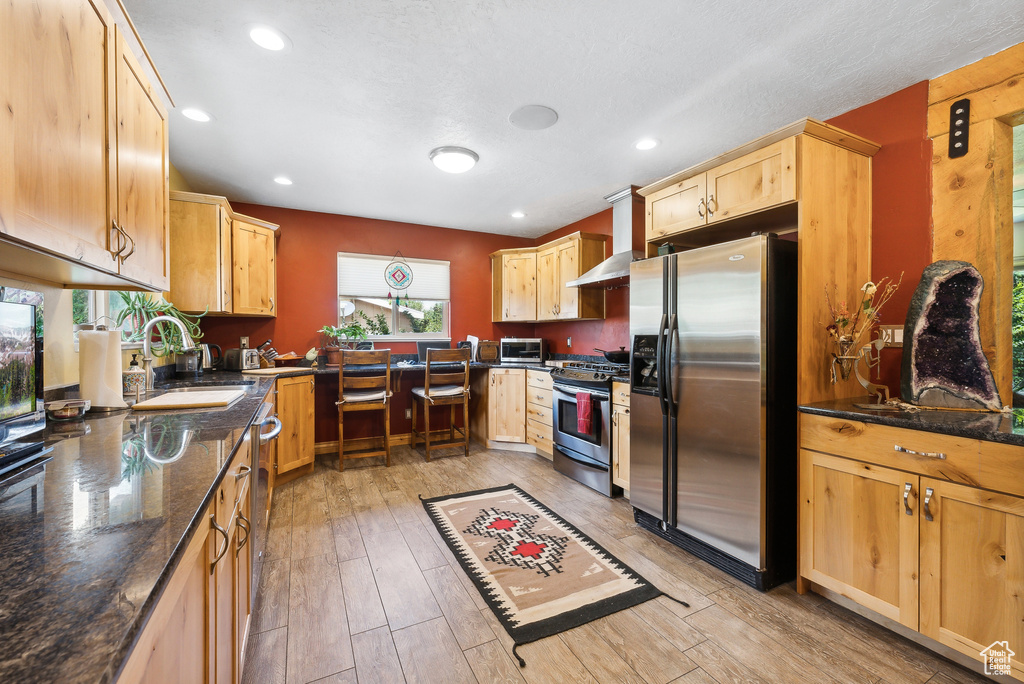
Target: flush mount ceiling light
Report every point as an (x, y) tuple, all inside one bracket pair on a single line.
[(646, 144), (195, 114), (268, 38), (283, 180), (454, 159), (518, 215), (533, 117)]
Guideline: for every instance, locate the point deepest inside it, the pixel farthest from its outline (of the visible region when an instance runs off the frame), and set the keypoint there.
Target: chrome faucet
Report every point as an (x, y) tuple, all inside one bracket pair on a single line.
[(147, 334)]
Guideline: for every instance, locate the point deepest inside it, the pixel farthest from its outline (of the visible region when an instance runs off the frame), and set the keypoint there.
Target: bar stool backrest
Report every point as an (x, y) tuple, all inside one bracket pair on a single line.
[(447, 375)]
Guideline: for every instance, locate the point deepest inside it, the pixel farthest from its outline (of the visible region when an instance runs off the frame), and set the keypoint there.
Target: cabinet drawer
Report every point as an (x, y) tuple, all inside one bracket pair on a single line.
[(877, 444), (539, 435), (540, 414), (539, 379), (538, 396), (620, 394)]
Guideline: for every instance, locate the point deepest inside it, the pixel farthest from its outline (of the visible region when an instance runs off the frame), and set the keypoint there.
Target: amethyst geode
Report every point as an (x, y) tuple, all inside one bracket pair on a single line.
[(943, 364)]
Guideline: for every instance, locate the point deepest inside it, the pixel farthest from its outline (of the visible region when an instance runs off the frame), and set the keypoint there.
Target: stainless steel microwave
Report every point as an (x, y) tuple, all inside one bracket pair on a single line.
[(523, 350)]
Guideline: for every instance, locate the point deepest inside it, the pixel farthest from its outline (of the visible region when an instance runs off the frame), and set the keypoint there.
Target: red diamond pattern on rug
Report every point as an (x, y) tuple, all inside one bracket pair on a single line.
[(517, 544)]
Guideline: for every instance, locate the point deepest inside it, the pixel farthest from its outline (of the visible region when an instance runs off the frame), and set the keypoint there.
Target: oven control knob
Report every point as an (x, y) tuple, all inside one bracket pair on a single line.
[(601, 376)]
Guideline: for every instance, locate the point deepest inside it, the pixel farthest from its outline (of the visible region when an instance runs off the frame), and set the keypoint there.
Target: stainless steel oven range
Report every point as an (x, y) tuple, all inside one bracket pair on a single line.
[(583, 449)]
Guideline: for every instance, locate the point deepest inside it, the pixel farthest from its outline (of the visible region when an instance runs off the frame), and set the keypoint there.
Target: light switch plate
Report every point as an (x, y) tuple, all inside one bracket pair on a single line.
[(568, 342), (891, 334)]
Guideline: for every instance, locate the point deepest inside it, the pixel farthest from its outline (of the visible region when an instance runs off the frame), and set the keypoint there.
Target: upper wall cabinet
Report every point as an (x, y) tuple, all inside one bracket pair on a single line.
[(759, 180), (83, 151), (530, 284), (222, 262)]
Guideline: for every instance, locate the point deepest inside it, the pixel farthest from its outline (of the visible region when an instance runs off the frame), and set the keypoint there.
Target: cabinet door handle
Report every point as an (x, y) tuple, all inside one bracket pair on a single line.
[(929, 454), (311, 386), (243, 522), (711, 199), (927, 500), (119, 235), (271, 303), (700, 207), (906, 499), (243, 471), (220, 554)]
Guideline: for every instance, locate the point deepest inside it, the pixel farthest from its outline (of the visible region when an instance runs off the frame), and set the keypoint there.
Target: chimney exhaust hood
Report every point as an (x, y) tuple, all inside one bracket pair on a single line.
[(627, 212)]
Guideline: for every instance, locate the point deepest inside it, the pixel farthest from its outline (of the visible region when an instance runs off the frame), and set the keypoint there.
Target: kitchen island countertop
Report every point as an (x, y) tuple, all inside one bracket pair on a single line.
[(91, 536)]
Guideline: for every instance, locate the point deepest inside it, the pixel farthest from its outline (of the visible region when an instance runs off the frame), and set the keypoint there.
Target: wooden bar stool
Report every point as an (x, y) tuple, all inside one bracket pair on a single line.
[(443, 386), (365, 390)]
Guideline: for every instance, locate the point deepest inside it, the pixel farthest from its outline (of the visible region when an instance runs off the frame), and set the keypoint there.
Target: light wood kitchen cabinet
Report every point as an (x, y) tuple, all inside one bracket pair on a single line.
[(506, 405), (221, 261), (539, 411), (924, 529), (759, 180), (198, 628), (83, 193), (620, 435), (254, 270), (514, 292), (295, 411), (143, 171), (972, 567), (530, 285)]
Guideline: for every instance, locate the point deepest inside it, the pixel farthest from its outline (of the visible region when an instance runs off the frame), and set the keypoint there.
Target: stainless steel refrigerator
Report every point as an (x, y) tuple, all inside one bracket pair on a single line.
[(713, 404)]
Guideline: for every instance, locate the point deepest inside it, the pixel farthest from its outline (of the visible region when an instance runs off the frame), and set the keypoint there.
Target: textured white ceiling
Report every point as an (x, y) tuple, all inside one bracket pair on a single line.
[(369, 87)]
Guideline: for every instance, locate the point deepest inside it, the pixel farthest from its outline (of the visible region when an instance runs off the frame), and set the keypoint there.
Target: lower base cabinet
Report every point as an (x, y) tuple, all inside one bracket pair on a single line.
[(506, 405), (906, 524), (620, 435), (538, 412), (198, 629)]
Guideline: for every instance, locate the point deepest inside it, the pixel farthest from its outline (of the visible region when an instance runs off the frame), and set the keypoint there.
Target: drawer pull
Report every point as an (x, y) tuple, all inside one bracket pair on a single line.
[(906, 499), (927, 500), (220, 554), (930, 454)]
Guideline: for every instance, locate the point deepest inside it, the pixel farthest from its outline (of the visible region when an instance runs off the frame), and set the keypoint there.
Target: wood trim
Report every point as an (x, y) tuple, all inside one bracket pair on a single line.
[(809, 127), (199, 198), (972, 214)]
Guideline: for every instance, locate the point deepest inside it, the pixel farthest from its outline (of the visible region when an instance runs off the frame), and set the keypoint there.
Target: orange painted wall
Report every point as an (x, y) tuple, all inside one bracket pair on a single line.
[(901, 199)]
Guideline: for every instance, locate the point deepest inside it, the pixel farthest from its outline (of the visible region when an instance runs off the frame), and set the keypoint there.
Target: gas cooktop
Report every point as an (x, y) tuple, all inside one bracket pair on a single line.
[(588, 375)]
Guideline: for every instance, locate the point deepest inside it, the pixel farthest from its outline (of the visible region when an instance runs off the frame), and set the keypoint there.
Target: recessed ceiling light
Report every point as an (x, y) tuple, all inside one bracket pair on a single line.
[(533, 117), (454, 159), (195, 114), (518, 214), (646, 144), (283, 180), (268, 38)]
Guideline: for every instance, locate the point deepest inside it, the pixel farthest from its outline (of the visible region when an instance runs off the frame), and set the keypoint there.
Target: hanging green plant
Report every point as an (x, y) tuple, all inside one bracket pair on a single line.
[(141, 307)]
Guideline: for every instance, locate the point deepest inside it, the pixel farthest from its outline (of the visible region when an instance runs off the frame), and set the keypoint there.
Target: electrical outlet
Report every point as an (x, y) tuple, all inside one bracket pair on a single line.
[(892, 335), (408, 414), (243, 342), (568, 342)]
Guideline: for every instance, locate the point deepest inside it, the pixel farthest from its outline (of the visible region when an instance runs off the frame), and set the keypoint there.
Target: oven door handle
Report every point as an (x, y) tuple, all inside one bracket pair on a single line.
[(589, 464), (569, 393)]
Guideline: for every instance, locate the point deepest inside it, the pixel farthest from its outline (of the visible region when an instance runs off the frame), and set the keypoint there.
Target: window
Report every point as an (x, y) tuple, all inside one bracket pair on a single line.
[(422, 310)]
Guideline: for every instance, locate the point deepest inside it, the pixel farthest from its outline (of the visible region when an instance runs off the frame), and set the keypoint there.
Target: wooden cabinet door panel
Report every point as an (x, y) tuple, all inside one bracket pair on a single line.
[(295, 411), (143, 199), (972, 569), (864, 545), (677, 208), (568, 262), (243, 579), (519, 286), (225, 599), (254, 270), (548, 285), (56, 142), (620, 446), (201, 275), (755, 181), (506, 405)]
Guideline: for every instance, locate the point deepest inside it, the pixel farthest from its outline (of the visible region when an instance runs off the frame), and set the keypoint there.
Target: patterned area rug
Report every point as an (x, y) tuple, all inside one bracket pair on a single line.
[(538, 573)]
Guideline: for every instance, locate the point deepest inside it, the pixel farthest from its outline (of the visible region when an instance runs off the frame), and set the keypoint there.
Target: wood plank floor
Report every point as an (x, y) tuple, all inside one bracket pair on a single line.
[(359, 587)]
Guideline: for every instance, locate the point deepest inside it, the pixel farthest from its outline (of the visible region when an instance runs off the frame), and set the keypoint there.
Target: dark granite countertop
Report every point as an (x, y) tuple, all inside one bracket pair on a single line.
[(416, 366), (1007, 428), (89, 538)]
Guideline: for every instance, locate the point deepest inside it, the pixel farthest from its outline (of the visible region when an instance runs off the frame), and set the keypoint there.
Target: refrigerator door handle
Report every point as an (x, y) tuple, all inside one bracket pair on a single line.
[(660, 366), (670, 339)]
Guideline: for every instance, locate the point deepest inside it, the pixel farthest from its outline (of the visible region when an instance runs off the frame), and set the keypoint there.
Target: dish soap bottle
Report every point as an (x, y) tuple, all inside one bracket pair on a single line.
[(134, 377)]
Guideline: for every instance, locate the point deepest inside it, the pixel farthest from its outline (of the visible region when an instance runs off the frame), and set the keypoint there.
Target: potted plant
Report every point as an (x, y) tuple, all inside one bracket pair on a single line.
[(141, 307), (336, 337)]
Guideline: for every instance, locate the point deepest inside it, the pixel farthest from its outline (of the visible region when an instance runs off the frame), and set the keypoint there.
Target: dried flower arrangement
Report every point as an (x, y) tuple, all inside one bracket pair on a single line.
[(847, 330)]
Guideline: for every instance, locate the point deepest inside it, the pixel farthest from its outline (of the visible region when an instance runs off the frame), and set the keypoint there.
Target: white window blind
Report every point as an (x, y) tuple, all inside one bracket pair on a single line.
[(362, 275)]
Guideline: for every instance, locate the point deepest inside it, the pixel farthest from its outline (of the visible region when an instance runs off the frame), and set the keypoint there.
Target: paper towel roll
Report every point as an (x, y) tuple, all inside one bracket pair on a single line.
[(99, 368)]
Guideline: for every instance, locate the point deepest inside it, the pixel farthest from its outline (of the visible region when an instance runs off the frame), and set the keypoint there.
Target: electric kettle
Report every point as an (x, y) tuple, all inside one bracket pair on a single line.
[(210, 363)]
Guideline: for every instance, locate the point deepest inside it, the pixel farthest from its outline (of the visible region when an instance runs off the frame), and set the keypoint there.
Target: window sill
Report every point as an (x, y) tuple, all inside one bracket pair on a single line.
[(421, 337)]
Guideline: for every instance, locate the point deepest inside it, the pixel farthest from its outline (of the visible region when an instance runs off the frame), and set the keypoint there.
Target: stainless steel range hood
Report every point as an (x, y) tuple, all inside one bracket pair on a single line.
[(627, 212)]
